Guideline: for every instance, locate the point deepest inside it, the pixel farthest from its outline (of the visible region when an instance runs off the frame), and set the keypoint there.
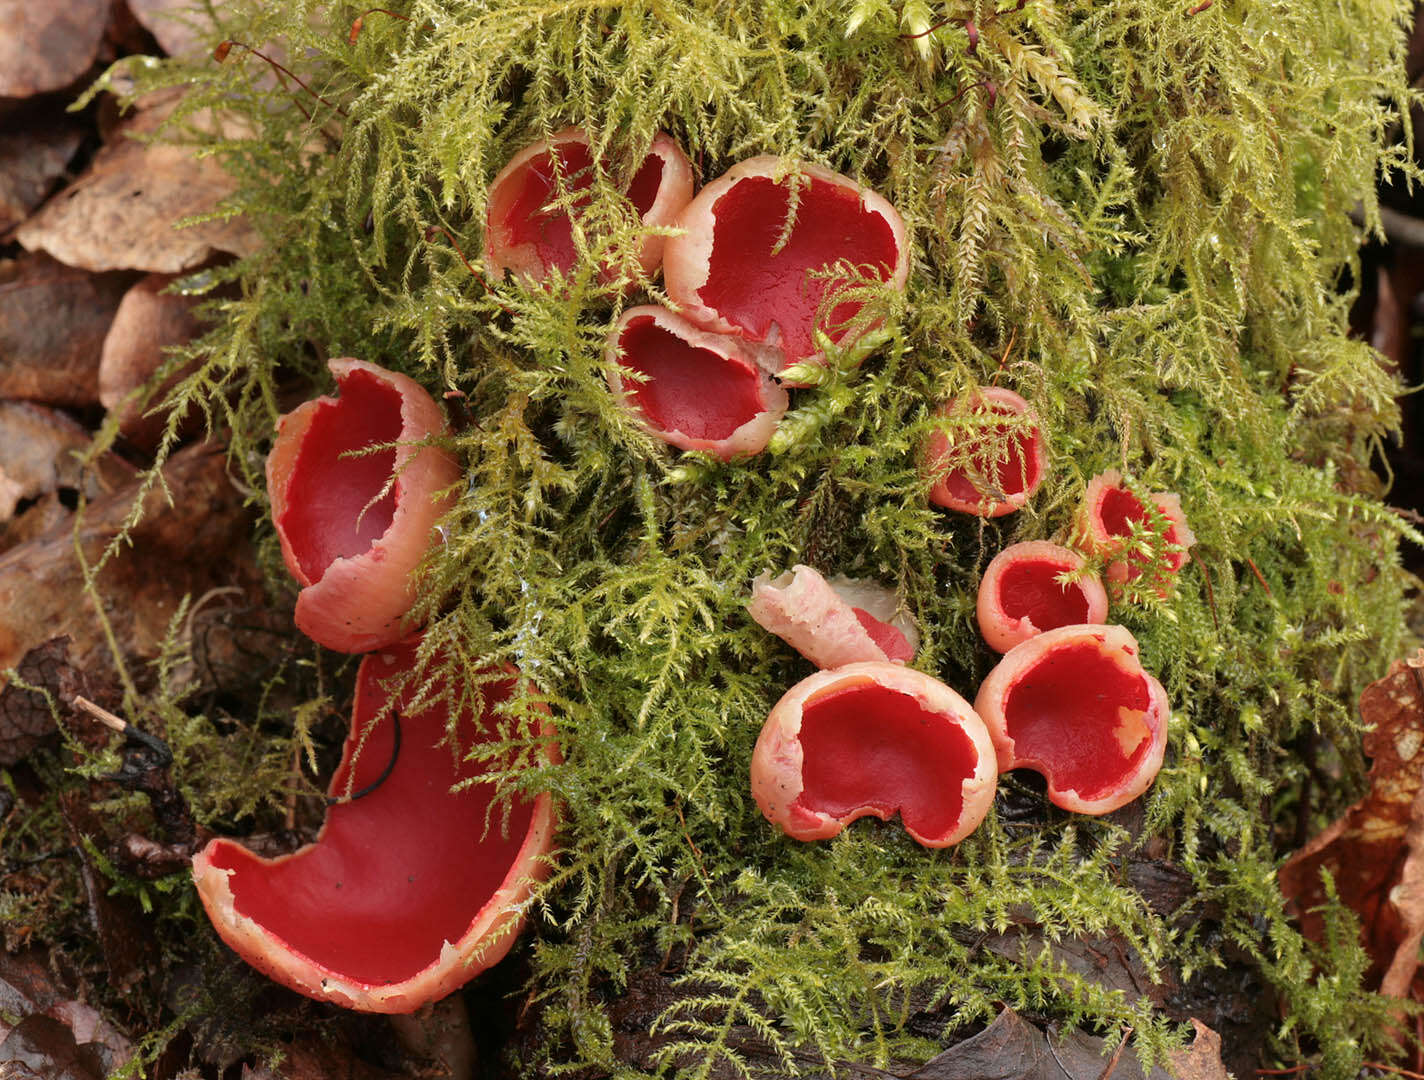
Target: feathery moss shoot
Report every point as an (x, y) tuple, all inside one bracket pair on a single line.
[(1135, 213)]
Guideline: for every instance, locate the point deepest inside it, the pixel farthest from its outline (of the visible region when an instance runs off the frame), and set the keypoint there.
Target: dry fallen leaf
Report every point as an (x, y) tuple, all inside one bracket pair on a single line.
[(48, 46), (181, 27), (148, 321), (25, 717), (32, 159), (1201, 1060), (39, 454), (198, 543), (53, 319), (1375, 852), (120, 215)]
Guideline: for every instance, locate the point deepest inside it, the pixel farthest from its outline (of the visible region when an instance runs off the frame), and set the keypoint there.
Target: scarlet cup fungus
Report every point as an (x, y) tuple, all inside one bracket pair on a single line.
[(874, 739), (996, 466), (411, 889), (526, 233), (354, 526), (1075, 705), (1106, 521), (833, 623), (736, 268), (699, 391), (1020, 594)]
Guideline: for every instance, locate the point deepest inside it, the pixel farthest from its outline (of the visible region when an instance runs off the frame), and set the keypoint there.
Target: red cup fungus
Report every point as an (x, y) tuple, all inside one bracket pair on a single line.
[(737, 269), (528, 233), (698, 391), (1021, 594), (1075, 705), (874, 739), (1109, 514), (989, 469), (411, 889), (350, 533), (836, 622)]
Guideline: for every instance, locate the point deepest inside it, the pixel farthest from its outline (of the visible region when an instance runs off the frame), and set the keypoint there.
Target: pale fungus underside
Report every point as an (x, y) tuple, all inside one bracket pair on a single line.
[(1132, 214)]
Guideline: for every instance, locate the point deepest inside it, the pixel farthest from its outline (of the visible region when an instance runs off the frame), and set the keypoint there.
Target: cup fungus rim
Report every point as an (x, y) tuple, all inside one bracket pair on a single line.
[(778, 760), (1002, 631), (1116, 644), (687, 262), (937, 448), (487, 938), (750, 437)]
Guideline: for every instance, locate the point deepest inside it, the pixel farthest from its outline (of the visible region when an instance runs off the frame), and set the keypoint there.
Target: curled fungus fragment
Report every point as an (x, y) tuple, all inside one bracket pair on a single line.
[(987, 467), (384, 912), (355, 502), (759, 253), (874, 739), (836, 622), (1021, 594), (533, 201), (695, 390), (1075, 705)]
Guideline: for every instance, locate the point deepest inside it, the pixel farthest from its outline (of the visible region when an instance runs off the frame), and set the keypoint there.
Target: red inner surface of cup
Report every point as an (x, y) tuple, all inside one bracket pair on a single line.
[(754, 284), (335, 505), (869, 747)]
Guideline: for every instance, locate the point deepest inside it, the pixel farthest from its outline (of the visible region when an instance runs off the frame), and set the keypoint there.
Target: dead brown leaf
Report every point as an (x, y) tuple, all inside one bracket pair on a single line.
[(148, 322), (40, 452), (48, 46), (1375, 852), (197, 543), (53, 319), (25, 716), (120, 215), (180, 27), (1201, 1060), (32, 160), (47, 513)]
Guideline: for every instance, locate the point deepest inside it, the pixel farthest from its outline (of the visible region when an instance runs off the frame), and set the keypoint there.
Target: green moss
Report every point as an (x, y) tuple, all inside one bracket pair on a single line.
[(1134, 215)]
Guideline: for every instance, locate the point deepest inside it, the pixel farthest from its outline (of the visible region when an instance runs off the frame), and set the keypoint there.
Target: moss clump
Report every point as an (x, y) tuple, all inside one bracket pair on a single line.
[(1133, 212)]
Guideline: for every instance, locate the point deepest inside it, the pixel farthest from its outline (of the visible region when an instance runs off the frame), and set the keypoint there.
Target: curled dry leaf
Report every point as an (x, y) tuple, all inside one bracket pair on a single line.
[(196, 543), (48, 46), (120, 215), (40, 452), (53, 319), (181, 27), (25, 717), (148, 322), (1375, 852), (32, 159)]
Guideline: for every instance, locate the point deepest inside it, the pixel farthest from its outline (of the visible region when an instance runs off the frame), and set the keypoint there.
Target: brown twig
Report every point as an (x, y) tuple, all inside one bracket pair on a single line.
[(430, 234), (1117, 1055), (1210, 596), (1395, 1069), (1259, 577), (1295, 1069)]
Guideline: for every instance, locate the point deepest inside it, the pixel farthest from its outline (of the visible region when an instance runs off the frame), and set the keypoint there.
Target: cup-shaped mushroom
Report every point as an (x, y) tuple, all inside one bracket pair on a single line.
[(693, 389), (874, 739), (833, 622), (993, 459), (1023, 594), (1110, 515), (418, 880), (758, 255), (1075, 705), (355, 522), (528, 232)]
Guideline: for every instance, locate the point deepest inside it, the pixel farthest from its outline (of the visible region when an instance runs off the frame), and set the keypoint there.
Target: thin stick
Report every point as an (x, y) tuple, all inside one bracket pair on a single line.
[(1283, 1072), (104, 716), (430, 235), (1396, 1070), (1117, 1055), (1257, 571)]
